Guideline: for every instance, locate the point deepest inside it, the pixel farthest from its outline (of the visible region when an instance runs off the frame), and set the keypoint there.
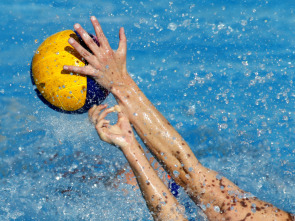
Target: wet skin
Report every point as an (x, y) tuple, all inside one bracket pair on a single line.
[(219, 197), (162, 204)]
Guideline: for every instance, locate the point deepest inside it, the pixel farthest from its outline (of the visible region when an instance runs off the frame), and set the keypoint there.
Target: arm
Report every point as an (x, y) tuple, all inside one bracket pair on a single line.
[(160, 201), (203, 185)]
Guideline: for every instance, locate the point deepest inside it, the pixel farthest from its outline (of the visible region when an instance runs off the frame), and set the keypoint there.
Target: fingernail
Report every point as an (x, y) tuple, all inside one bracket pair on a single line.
[(76, 26), (93, 18), (66, 68), (71, 40)]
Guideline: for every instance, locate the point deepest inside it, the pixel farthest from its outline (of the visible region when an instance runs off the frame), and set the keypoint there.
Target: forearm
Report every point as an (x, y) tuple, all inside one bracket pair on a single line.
[(162, 139), (202, 184), (160, 201), (156, 132)]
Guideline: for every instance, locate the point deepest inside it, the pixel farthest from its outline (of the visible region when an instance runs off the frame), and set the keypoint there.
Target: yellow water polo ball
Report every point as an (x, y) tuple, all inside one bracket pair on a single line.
[(59, 89)]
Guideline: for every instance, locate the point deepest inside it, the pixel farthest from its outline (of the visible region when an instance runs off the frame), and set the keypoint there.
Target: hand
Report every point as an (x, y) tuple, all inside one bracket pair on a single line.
[(106, 66), (120, 134)]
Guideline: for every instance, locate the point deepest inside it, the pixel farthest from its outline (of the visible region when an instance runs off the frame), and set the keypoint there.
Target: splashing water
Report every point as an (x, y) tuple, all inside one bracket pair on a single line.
[(220, 72)]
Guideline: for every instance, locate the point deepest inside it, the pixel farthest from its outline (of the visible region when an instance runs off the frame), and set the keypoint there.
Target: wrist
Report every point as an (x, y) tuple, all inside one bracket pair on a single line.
[(133, 148), (125, 88)]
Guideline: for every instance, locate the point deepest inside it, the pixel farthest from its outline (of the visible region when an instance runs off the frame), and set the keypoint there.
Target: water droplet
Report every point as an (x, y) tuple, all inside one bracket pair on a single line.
[(176, 173), (172, 26), (216, 209), (218, 176), (203, 207), (244, 22), (153, 72)]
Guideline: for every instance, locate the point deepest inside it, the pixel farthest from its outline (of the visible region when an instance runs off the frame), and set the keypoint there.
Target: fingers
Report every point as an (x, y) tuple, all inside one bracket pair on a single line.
[(99, 33), (123, 41), (87, 39), (86, 70), (121, 117), (101, 124), (105, 113), (102, 130), (95, 116), (93, 113), (84, 53)]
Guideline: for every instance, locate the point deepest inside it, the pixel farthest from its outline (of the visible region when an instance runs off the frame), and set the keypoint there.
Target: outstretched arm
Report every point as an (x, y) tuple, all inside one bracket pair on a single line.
[(160, 201), (219, 197)]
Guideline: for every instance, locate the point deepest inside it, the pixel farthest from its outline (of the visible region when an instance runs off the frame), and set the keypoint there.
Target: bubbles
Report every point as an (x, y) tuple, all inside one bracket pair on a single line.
[(191, 110), (244, 22), (245, 63), (172, 26), (153, 72), (222, 126)]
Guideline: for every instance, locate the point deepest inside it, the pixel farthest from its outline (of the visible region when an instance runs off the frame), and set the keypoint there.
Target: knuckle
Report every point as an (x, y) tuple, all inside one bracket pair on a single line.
[(97, 25), (91, 43), (109, 52), (85, 54), (101, 34), (96, 65)]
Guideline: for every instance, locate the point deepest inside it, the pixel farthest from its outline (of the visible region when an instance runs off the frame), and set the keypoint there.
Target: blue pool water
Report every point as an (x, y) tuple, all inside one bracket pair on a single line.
[(222, 72)]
